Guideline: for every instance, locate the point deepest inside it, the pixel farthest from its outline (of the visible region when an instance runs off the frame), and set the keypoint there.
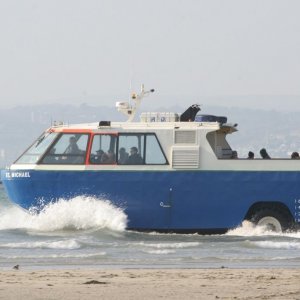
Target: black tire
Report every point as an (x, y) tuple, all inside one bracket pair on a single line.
[(273, 219)]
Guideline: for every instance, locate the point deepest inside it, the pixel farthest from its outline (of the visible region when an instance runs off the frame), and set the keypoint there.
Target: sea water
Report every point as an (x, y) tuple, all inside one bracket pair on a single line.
[(89, 232)]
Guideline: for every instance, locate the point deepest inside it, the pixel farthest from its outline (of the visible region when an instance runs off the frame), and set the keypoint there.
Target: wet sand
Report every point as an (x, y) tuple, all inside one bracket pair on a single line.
[(151, 284)]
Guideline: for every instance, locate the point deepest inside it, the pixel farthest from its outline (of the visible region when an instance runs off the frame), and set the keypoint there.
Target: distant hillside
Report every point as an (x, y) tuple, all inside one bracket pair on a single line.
[(277, 131)]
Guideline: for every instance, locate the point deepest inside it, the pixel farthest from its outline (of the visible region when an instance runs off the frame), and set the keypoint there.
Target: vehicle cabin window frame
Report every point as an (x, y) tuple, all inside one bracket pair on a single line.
[(142, 147), (105, 152), (62, 152)]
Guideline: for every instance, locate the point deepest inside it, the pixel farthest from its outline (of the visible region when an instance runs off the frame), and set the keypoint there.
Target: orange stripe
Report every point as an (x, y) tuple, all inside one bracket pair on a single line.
[(69, 130)]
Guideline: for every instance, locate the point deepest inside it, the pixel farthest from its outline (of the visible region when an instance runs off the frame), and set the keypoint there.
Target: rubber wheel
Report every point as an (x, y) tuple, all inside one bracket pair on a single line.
[(272, 219)]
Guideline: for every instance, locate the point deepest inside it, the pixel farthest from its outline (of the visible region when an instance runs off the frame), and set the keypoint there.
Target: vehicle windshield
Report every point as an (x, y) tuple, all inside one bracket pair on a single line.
[(33, 154)]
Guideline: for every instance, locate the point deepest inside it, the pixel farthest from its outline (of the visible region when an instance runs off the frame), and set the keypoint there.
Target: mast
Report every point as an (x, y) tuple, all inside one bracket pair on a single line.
[(130, 110)]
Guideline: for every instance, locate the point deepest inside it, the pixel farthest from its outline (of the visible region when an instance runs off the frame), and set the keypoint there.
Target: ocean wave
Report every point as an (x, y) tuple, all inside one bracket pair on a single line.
[(79, 213), (66, 244), (277, 245), (168, 245), (60, 255), (159, 252), (249, 229)]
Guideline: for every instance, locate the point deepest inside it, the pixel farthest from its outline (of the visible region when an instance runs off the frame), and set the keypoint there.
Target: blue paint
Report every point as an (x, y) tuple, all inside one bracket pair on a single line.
[(177, 200)]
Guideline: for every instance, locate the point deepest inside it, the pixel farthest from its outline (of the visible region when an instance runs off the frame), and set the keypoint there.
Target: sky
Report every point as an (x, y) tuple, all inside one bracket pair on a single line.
[(233, 52)]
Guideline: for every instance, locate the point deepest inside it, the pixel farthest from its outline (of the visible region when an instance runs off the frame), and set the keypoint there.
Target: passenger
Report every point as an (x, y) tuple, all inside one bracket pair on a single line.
[(250, 155), (134, 157), (97, 158), (234, 154), (111, 157), (295, 155), (264, 154), (123, 156), (108, 158), (73, 147)]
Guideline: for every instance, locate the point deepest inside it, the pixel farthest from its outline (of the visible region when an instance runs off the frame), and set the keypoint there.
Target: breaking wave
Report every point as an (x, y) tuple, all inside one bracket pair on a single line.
[(79, 213), (248, 229)]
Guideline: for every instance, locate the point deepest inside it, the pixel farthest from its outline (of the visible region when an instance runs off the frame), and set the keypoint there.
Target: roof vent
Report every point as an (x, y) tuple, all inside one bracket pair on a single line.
[(159, 117), (185, 137), (104, 123)]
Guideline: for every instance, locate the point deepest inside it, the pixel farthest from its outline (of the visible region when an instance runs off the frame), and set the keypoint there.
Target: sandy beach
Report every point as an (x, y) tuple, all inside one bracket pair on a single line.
[(151, 284)]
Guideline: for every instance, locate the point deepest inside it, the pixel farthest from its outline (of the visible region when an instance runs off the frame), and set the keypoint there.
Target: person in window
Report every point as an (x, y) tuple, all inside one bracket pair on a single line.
[(250, 155), (134, 157), (295, 155), (123, 156), (264, 154), (73, 147), (96, 158), (111, 157), (108, 158)]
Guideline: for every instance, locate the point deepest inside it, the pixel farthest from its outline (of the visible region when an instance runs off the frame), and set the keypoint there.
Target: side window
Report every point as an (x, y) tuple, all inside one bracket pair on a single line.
[(70, 148), (131, 149), (154, 154), (103, 149)]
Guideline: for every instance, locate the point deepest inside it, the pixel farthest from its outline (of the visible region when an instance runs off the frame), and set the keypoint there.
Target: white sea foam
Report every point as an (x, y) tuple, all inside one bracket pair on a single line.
[(249, 229), (64, 244), (277, 245), (79, 213), (168, 245), (165, 251), (60, 255), (295, 234)]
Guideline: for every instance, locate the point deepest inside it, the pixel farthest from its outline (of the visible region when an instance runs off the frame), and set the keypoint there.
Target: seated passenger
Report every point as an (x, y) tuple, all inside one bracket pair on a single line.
[(108, 158), (72, 147), (96, 159), (250, 155), (123, 156), (134, 158), (264, 154), (295, 155)]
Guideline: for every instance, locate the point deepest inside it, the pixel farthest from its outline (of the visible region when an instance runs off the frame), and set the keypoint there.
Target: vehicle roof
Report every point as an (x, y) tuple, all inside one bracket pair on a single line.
[(209, 126)]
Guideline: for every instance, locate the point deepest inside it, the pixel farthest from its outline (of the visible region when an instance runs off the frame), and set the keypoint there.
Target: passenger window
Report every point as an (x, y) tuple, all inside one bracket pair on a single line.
[(154, 154), (131, 149), (103, 149), (70, 148)]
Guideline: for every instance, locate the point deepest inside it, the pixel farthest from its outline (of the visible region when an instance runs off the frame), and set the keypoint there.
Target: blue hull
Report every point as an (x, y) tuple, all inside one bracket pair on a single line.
[(154, 200)]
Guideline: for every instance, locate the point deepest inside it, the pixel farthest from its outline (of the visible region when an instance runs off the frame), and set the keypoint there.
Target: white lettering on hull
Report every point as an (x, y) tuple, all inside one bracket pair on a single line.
[(17, 175)]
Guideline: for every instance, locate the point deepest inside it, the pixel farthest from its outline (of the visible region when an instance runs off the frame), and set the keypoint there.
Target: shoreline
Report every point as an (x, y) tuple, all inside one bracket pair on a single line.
[(97, 283)]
